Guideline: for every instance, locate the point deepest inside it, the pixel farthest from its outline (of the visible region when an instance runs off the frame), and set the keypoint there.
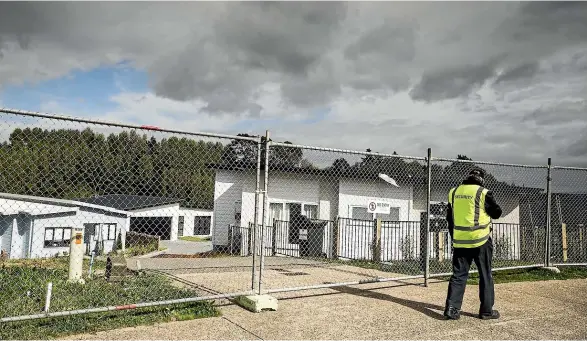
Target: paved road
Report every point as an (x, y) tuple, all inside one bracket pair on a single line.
[(186, 248), (531, 310)]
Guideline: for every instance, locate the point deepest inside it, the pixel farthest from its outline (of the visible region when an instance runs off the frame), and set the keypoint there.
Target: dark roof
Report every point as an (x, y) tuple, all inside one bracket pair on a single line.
[(325, 172), (354, 173), (129, 202)]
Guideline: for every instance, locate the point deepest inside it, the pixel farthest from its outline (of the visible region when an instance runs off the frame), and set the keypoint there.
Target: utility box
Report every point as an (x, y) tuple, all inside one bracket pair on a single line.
[(311, 239)]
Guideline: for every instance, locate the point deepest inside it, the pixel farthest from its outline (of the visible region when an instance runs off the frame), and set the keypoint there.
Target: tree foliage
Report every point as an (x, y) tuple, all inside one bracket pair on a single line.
[(245, 153), (70, 164)]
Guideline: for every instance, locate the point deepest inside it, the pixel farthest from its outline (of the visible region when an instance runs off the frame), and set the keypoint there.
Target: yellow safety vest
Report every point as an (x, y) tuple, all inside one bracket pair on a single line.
[(472, 225)]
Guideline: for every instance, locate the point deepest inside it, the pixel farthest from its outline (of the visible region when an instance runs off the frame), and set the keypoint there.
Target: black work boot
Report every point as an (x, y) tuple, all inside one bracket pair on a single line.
[(452, 313), (489, 316)]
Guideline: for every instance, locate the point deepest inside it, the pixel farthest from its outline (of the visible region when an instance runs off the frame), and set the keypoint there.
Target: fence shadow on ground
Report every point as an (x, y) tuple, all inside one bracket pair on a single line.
[(427, 309)]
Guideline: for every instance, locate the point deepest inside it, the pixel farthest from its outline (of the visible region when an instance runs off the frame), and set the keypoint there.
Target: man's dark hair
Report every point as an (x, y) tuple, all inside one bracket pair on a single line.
[(477, 171), (476, 175)]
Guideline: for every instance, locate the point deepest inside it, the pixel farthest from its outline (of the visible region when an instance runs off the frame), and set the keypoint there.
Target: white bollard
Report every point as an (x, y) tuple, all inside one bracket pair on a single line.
[(48, 297), (76, 256)]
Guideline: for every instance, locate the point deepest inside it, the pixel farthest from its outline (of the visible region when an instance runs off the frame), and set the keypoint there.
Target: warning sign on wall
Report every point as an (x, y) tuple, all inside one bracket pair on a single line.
[(379, 207)]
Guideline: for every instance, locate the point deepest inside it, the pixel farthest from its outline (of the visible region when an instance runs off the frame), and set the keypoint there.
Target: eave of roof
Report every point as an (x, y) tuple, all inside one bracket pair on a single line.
[(113, 200), (337, 173), (61, 202), (358, 174)]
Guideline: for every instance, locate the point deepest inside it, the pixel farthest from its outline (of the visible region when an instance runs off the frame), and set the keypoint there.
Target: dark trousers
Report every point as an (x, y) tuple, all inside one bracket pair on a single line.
[(461, 263)]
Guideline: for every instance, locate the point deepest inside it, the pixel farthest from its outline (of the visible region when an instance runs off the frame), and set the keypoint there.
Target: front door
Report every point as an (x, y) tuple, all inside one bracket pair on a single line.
[(90, 238)]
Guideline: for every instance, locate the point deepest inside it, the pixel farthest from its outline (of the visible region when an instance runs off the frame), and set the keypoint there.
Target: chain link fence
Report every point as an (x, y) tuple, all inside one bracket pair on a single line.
[(98, 216), (518, 234), (568, 216), (340, 217), (103, 216)]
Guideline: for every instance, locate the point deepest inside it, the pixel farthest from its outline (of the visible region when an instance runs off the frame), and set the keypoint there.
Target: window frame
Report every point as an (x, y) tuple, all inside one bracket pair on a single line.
[(209, 228), (181, 225), (285, 212), (49, 243), (107, 227)]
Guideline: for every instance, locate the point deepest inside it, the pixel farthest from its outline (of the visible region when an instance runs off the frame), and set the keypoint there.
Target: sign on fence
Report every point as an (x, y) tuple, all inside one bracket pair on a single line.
[(303, 234), (379, 207)]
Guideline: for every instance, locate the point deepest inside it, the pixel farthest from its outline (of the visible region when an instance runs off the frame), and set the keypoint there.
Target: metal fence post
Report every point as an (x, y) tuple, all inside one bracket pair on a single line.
[(256, 219), (548, 213), (428, 189), (265, 210)]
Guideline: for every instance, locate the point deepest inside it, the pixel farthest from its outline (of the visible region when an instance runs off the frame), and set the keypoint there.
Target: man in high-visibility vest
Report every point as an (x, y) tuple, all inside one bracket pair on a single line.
[(470, 209)]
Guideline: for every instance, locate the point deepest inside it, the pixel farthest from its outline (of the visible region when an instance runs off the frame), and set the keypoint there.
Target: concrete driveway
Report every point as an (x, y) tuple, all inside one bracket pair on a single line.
[(183, 247), (531, 310)]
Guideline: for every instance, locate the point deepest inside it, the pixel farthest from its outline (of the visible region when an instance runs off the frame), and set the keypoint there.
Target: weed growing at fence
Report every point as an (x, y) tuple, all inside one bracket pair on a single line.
[(141, 250), (537, 274), (209, 254), (92, 323), (502, 248), (414, 267), (57, 263), (528, 275), (195, 239)]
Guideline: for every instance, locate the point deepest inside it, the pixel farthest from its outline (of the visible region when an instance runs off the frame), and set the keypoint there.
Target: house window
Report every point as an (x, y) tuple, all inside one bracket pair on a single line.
[(180, 227), (108, 231), (276, 212), (284, 211), (57, 236), (237, 212), (202, 225), (392, 216), (311, 211), (360, 213)]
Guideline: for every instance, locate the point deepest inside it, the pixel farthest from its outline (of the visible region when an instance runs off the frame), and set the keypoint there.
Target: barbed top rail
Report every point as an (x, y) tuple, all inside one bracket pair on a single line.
[(123, 125), (345, 151), (489, 163), (569, 168)]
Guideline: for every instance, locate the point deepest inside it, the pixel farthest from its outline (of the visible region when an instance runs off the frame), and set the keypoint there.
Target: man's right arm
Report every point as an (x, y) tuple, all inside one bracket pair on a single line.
[(491, 206), (449, 220)]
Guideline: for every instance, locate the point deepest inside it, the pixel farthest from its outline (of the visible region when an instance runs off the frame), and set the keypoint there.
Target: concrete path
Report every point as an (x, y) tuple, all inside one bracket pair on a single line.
[(532, 310)]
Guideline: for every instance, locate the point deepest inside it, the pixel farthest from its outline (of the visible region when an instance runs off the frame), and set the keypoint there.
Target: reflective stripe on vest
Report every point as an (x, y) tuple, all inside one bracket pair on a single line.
[(471, 222)]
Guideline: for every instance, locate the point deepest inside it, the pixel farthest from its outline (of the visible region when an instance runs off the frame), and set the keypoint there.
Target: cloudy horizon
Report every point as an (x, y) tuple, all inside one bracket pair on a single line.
[(496, 81)]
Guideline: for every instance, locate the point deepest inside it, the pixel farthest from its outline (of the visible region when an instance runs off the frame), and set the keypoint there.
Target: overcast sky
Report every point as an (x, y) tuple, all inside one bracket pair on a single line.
[(501, 81)]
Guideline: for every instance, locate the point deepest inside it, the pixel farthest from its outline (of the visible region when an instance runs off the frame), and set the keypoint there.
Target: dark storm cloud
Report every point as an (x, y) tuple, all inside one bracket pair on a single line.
[(563, 114), (579, 148), (391, 40), (452, 83), (334, 54), (378, 56), (564, 19), (255, 42), (280, 36), (523, 71)]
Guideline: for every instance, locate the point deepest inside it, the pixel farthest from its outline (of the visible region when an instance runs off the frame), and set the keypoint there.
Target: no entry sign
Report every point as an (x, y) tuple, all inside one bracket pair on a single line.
[(379, 207)]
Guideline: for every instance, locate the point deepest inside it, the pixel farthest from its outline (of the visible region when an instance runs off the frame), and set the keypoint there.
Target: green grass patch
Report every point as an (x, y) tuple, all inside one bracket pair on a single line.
[(195, 239), (534, 274), (23, 290), (91, 323)]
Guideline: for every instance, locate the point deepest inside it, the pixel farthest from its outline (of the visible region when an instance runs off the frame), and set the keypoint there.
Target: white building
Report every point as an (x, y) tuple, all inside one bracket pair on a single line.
[(33, 227), (342, 200), (159, 216)]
